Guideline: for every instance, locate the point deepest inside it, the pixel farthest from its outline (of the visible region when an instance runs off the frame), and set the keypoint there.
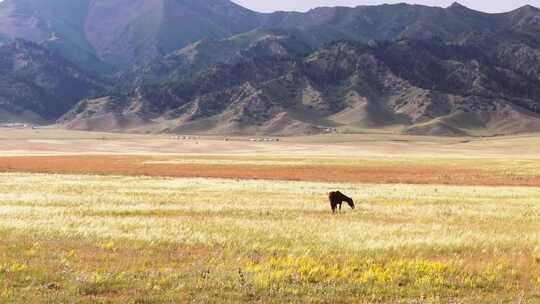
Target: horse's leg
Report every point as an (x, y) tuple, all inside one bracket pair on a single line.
[(340, 207)]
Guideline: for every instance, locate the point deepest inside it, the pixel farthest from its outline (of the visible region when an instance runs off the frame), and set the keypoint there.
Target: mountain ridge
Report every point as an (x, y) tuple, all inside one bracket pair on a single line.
[(214, 66), (120, 32), (454, 91)]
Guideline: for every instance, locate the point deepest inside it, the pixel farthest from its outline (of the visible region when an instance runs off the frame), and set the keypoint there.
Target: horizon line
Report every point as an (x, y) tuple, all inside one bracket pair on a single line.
[(382, 4)]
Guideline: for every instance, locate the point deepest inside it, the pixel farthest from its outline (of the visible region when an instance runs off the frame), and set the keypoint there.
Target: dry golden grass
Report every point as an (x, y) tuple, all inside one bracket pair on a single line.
[(129, 239), (136, 219)]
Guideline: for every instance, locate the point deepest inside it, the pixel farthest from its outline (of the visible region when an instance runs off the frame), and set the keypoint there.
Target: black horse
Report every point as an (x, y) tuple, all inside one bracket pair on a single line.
[(337, 198)]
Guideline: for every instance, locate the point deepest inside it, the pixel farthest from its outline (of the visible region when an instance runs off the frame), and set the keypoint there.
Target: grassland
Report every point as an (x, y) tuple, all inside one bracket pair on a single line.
[(437, 221)]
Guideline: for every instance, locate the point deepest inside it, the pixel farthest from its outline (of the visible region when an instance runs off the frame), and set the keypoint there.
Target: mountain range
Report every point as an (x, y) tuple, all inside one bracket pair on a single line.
[(211, 66)]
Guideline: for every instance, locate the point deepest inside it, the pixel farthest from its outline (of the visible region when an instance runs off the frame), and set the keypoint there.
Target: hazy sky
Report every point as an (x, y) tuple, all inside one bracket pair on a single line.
[(492, 6)]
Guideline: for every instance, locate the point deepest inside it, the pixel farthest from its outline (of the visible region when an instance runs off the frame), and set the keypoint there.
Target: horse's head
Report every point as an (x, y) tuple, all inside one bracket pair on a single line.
[(350, 202)]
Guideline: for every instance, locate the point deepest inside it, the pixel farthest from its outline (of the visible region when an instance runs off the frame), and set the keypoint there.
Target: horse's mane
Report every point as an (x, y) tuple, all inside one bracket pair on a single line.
[(343, 196), (340, 195)]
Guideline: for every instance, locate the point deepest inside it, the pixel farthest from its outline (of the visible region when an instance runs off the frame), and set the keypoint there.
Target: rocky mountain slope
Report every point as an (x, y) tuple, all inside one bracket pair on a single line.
[(205, 53), (425, 86), (213, 66), (301, 33), (101, 33), (121, 32), (56, 24), (38, 86)]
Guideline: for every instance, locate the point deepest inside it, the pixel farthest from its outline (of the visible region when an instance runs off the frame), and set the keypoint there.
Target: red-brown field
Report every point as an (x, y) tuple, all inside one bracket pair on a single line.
[(458, 172)]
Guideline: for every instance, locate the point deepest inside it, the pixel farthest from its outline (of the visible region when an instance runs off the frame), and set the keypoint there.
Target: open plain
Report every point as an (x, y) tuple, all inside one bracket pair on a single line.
[(120, 218)]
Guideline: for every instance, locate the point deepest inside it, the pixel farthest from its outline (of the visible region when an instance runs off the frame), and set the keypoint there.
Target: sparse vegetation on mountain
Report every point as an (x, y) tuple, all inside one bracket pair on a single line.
[(213, 66), (426, 86), (38, 86)]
